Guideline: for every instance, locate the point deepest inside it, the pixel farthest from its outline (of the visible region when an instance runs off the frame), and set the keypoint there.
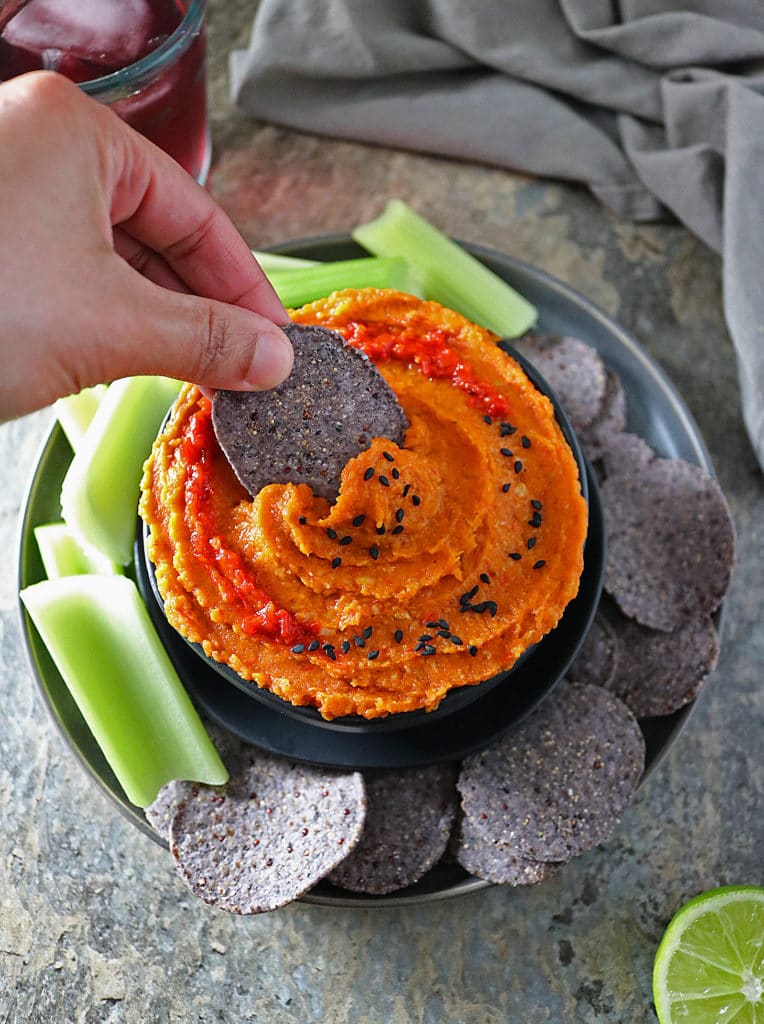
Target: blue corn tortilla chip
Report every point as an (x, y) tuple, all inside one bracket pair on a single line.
[(597, 660), (557, 784), (496, 861), (330, 408), (609, 422), (671, 541), (573, 370), (660, 672), (624, 453), (269, 835), (409, 817)]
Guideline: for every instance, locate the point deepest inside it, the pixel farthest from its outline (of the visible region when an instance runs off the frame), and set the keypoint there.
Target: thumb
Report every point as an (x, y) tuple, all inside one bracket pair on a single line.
[(201, 340)]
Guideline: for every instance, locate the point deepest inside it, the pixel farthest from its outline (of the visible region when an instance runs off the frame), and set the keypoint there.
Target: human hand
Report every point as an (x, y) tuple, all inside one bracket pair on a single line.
[(114, 262)]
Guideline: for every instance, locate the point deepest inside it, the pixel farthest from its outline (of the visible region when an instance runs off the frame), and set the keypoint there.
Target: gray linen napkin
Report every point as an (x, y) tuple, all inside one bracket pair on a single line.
[(654, 105)]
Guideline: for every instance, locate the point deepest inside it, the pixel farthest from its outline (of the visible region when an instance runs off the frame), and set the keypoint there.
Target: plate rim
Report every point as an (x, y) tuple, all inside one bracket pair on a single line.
[(486, 253)]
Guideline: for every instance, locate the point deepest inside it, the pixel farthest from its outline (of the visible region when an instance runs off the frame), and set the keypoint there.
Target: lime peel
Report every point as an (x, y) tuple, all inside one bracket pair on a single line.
[(709, 966)]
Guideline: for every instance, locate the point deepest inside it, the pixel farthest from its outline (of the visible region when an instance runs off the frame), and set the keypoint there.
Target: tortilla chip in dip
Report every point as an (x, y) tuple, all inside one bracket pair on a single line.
[(440, 562)]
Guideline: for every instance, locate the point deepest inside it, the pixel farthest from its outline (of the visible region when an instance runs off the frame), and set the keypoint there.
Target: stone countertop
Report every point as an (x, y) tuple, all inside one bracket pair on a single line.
[(94, 923)]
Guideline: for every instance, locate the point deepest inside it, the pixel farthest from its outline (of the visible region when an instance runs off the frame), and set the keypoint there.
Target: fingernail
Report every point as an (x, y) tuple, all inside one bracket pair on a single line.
[(272, 360)]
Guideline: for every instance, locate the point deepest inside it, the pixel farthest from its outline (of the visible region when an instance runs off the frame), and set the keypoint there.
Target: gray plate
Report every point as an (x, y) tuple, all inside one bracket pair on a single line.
[(655, 411)]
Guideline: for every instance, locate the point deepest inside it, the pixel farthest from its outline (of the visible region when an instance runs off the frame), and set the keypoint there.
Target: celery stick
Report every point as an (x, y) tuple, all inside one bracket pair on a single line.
[(99, 495), (450, 275), (76, 411), (296, 287), (63, 556), (103, 643), (274, 261)]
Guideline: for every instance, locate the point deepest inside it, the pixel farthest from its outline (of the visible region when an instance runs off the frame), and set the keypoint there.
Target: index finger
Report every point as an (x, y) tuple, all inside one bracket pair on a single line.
[(158, 203)]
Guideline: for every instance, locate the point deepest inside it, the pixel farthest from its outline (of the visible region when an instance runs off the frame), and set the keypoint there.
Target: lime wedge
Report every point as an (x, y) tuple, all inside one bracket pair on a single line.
[(709, 968)]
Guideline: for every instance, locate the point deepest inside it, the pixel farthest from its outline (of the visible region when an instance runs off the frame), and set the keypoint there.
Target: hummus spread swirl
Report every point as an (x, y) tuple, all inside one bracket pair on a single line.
[(438, 565)]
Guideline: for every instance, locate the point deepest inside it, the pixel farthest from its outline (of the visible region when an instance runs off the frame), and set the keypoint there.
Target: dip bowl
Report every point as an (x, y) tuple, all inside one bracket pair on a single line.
[(504, 698)]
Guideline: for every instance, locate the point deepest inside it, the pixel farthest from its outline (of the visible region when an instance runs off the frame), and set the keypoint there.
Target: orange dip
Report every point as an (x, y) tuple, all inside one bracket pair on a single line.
[(438, 565)]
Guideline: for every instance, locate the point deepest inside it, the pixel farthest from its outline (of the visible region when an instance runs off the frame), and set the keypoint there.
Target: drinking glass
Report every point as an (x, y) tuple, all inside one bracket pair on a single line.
[(144, 58)]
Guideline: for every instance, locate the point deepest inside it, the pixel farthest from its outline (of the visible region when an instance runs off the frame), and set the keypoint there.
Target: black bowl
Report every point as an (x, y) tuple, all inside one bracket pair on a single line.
[(458, 699)]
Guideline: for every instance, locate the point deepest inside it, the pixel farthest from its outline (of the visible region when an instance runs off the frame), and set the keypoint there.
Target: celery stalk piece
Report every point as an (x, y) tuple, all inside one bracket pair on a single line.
[(103, 643), (450, 275), (76, 411), (296, 287), (99, 495), (63, 556), (275, 261)]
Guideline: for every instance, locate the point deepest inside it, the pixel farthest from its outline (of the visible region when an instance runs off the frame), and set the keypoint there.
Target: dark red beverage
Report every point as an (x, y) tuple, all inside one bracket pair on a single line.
[(145, 58)]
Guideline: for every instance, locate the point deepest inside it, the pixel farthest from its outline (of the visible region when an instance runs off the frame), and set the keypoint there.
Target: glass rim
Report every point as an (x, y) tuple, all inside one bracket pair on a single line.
[(133, 76)]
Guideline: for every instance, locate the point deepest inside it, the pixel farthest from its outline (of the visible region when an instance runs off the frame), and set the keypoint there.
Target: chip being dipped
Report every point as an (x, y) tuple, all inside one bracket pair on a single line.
[(329, 409)]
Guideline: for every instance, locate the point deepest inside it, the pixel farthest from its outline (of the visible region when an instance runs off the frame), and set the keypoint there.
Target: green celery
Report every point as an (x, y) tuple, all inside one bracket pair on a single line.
[(270, 261), (296, 287), (103, 643), (63, 556), (450, 275), (99, 495), (76, 411)]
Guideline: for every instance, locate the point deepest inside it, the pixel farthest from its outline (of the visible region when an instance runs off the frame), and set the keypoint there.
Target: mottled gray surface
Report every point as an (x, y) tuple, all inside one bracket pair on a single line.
[(94, 924)]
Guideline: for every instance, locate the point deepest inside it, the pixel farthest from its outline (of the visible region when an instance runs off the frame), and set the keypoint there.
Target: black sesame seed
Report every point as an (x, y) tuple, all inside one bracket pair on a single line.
[(425, 638), (515, 556), (518, 466), (507, 452), (336, 562), (507, 430), (428, 649), (367, 632), (328, 650), (531, 543), (380, 530), (484, 577), (485, 606), (398, 635), (388, 456), (445, 633), (540, 564), (302, 520), (384, 481), (397, 529), (456, 640), (331, 534), (358, 521), (396, 474), (345, 646), (346, 540), (372, 655), (399, 514), (535, 522), (369, 473), (416, 500), (434, 624), (525, 441), (419, 647), (374, 552), (313, 645), (298, 648), (536, 504), (359, 641), (473, 651), (488, 420), (442, 623), (465, 598), (406, 490), (505, 487)]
